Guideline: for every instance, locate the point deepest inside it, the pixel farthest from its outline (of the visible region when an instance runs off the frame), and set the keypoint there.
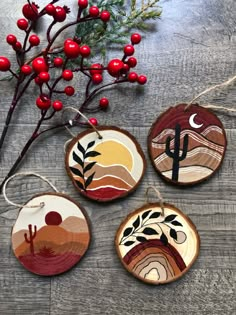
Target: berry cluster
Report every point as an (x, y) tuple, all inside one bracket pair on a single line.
[(58, 60)]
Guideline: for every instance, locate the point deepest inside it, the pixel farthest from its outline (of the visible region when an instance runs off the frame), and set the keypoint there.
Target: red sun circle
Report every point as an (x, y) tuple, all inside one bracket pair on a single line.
[(53, 218)]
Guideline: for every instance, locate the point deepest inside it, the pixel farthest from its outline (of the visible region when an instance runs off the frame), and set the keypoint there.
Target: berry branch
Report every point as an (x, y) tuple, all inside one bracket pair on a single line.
[(40, 69)]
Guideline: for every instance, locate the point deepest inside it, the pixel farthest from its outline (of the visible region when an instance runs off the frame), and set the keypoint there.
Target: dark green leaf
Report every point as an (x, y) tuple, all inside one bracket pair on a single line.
[(164, 239), (77, 159), (128, 243), (136, 222), (80, 148), (176, 223), (76, 172), (145, 214), (89, 166), (89, 180), (141, 239), (170, 218), (90, 144), (173, 234), (127, 231), (155, 215), (79, 184), (149, 231), (91, 154)]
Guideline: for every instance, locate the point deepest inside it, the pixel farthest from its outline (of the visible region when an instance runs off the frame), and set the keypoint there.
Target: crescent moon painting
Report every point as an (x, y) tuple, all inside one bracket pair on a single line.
[(157, 248), (187, 146), (192, 122)]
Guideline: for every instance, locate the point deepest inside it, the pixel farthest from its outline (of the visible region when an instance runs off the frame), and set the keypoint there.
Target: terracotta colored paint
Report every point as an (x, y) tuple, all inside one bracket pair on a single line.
[(187, 146), (155, 248), (108, 168), (52, 239)]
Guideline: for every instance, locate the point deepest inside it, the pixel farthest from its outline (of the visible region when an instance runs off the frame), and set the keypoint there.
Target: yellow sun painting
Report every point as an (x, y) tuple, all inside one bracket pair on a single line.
[(113, 153)]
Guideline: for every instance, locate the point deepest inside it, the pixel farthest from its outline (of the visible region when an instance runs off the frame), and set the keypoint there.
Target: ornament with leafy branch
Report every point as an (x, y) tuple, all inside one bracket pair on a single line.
[(144, 227), (51, 73)]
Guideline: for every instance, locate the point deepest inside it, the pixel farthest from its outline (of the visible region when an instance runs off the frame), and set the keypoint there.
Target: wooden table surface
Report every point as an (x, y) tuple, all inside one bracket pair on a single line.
[(191, 47)]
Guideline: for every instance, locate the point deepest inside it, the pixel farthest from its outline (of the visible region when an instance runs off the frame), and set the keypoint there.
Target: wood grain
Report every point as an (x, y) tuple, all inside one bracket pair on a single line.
[(193, 46)]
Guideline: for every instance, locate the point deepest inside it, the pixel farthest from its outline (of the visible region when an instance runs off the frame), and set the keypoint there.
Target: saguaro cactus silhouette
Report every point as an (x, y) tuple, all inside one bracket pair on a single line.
[(30, 239), (175, 155)]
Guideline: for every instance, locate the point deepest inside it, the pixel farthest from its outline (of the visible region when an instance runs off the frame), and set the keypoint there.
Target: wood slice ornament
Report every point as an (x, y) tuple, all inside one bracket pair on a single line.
[(187, 145), (51, 234), (157, 246), (107, 167)]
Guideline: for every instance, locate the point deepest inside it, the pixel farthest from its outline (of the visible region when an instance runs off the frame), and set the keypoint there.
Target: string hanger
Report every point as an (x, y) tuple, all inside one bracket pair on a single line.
[(85, 117), (41, 205), (212, 88), (159, 196)]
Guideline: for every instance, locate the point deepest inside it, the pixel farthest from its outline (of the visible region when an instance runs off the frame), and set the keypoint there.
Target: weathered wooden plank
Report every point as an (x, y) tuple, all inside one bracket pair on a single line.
[(114, 292)]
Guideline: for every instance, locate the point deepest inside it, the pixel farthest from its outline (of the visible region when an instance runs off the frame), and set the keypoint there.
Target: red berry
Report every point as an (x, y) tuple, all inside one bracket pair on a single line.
[(26, 69), (93, 121), (5, 64), (34, 40), (97, 78), (125, 67), (96, 69), (94, 11), (17, 46), (67, 75), (142, 79), (58, 62), (69, 90), (68, 40), (44, 76), (59, 14), (22, 24), (83, 4), (135, 38), (104, 102), (43, 104), (39, 65), (85, 51), (50, 9), (132, 62), (11, 39), (57, 105), (105, 16), (30, 11), (38, 81), (71, 49), (114, 67), (132, 77), (129, 50)]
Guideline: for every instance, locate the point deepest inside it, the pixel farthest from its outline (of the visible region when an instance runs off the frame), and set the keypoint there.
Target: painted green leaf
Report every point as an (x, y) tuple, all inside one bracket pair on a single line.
[(91, 154), (145, 214), (154, 215), (89, 166), (89, 180), (77, 159), (91, 144), (170, 217), (80, 148), (79, 184), (141, 239), (127, 231), (76, 172), (149, 231), (176, 223)]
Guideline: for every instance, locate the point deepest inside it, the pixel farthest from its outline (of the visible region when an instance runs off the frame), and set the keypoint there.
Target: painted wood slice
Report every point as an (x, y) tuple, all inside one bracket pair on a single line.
[(50, 240), (108, 168), (187, 146), (154, 248)]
